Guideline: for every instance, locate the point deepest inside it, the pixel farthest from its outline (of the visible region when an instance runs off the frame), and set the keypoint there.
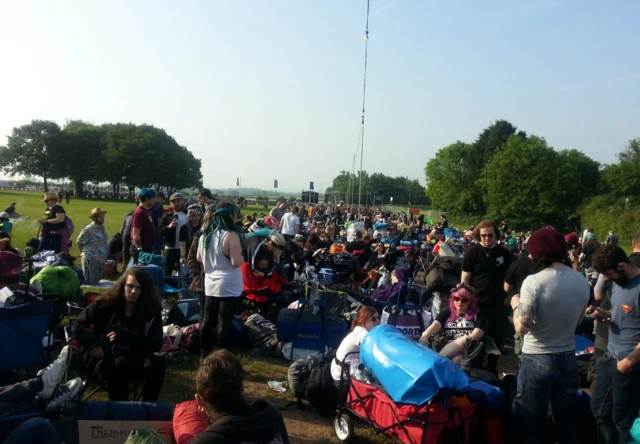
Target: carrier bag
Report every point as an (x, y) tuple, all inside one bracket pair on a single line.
[(408, 371), (311, 329), (410, 320)]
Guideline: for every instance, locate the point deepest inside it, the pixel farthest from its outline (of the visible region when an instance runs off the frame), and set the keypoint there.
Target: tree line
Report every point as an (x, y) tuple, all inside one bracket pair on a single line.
[(377, 189), (123, 154), (507, 174)]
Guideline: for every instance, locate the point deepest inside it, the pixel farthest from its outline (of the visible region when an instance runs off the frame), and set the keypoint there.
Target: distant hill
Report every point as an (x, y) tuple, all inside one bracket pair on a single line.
[(252, 192)]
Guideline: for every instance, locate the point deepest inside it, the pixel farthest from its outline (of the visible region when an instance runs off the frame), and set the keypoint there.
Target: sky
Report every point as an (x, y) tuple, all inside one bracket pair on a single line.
[(272, 89)]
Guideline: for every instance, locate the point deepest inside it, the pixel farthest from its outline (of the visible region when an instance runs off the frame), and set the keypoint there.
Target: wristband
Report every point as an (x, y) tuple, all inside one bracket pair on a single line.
[(517, 306)]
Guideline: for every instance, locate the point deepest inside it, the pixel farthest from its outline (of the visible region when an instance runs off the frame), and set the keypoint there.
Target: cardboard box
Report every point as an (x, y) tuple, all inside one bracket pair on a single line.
[(107, 432)]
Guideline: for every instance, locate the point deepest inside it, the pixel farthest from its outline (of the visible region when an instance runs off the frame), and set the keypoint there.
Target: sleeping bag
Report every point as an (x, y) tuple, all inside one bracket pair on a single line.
[(409, 372), (60, 280)]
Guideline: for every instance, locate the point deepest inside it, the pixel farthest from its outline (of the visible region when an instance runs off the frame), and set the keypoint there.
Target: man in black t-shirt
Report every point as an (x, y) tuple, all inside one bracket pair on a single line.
[(484, 268), (517, 273)]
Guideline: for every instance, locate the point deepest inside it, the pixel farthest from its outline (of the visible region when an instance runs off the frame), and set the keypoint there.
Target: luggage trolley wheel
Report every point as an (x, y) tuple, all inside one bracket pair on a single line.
[(343, 426)]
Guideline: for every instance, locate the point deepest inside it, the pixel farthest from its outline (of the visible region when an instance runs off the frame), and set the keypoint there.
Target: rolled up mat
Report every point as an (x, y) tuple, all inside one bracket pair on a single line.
[(408, 371)]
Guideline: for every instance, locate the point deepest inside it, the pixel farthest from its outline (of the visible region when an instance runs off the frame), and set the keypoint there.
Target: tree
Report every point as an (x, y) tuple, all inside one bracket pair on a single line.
[(35, 149), (622, 180), (448, 184), (84, 144)]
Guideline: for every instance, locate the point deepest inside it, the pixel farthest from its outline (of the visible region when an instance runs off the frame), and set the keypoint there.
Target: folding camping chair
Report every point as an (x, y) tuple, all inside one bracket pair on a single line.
[(23, 327)]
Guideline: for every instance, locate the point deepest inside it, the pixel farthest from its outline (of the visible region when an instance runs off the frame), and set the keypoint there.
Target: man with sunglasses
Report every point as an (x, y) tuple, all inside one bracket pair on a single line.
[(484, 268)]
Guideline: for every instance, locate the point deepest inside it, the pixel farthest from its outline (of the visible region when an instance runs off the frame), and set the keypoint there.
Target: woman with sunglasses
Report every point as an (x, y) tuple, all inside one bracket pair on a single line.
[(367, 318), (462, 321)]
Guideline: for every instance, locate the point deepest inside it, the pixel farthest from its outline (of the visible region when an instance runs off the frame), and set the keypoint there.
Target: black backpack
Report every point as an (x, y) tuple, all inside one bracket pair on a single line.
[(444, 274), (321, 391)]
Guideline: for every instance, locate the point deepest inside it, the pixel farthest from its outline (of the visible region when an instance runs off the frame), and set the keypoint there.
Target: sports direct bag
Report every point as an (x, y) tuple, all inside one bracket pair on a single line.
[(445, 273), (409, 372), (410, 320)]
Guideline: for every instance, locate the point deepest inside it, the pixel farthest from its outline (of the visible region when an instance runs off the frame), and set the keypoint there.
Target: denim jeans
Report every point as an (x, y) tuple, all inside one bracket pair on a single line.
[(615, 400), (548, 380), (32, 431)]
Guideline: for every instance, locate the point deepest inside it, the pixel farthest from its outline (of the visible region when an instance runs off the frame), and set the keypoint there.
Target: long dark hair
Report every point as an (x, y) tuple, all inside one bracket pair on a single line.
[(148, 304)]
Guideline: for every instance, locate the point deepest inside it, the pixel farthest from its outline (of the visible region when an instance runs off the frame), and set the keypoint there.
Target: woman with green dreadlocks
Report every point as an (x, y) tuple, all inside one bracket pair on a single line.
[(220, 251)]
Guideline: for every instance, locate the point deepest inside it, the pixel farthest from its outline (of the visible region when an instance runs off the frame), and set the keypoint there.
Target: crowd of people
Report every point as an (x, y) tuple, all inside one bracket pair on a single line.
[(547, 283)]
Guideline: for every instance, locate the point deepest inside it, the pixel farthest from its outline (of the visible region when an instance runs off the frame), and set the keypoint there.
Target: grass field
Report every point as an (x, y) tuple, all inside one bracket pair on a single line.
[(303, 426)]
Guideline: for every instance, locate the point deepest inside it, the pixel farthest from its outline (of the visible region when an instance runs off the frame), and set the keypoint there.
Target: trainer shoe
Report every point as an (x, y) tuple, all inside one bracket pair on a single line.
[(54, 374), (64, 356), (65, 393)]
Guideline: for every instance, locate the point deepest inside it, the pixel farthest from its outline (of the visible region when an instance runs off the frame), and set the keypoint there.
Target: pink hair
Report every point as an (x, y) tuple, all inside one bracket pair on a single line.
[(464, 292)]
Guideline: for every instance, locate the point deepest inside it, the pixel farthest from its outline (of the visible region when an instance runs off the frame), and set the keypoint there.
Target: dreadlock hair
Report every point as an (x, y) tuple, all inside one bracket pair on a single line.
[(221, 218)]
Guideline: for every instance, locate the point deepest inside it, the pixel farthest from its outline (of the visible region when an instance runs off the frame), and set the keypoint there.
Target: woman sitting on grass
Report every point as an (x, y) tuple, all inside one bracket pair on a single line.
[(461, 322)]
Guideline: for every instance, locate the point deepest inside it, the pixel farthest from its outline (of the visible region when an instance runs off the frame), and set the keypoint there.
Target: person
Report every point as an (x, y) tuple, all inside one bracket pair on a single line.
[(125, 234), (156, 212), (169, 229), (11, 209), (551, 305), (93, 246), (518, 271), (44, 392), (5, 224), (205, 198), (258, 286), (585, 235), (272, 246), (5, 243), (290, 223), (189, 230), (122, 330), (195, 269), (220, 252), (142, 231), (611, 239), (241, 202), (279, 210), (484, 267), (461, 322), (67, 196), (634, 257), (219, 394), (367, 318), (614, 399), (445, 221), (54, 235)]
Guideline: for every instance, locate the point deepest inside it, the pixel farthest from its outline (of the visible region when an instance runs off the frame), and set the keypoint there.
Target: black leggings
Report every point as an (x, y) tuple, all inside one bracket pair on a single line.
[(216, 327), (119, 371)]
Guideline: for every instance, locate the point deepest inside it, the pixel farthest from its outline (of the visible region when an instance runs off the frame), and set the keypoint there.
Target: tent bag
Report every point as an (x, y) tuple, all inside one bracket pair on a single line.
[(409, 372)]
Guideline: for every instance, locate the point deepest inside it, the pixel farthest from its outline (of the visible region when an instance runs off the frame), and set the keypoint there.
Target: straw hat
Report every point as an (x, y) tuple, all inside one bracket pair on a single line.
[(97, 212), (48, 196)]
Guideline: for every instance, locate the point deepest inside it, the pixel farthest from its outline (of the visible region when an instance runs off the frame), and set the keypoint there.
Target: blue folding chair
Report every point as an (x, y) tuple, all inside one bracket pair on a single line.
[(23, 328)]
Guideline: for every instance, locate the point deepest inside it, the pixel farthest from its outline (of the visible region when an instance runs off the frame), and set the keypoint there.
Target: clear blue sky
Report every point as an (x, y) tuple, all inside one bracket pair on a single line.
[(272, 89)]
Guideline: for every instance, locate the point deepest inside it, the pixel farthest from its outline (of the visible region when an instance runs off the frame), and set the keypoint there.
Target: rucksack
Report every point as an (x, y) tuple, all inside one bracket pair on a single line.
[(68, 224), (445, 273), (321, 390), (298, 377), (184, 312), (262, 335)]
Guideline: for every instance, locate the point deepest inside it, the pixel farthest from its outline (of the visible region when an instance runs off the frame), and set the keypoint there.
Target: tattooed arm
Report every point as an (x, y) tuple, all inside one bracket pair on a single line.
[(525, 306), (523, 317)]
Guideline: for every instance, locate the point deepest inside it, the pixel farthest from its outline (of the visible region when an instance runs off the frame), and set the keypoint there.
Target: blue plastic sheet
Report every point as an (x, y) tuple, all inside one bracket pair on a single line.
[(410, 372), (582, 343), (485, 395)]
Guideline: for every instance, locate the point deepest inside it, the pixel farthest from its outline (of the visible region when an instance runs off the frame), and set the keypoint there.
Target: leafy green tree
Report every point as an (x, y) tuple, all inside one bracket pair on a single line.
[(84, 144), (622, 180), (448, 184), (35, 149)]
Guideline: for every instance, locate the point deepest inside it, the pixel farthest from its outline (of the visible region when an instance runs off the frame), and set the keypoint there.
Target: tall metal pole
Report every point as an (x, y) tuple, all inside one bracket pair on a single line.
[(364, 90)]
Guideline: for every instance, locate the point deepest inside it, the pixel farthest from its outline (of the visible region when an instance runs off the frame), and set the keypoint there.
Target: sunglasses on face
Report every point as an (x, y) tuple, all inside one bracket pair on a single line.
[(458, 299), (487, 235), (375, 318)]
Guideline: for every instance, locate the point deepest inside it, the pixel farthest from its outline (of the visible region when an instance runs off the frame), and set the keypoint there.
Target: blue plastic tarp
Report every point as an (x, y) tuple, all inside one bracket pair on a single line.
[(409, 372), (380, 225)]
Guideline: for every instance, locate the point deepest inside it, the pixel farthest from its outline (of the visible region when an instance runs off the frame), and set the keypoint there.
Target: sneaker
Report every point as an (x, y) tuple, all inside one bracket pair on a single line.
[(54, 374), (65, 393), (64, 356)]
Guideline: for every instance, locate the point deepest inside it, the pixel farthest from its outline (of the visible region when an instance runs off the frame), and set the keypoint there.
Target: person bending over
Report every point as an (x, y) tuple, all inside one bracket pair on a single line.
[(219, 391), (462, 321), (122, 330)]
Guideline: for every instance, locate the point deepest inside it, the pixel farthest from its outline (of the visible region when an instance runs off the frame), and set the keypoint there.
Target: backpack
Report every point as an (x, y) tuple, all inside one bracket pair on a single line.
[(184, 312), (68, 224), (262, 335), (321, 390), (298, 377), (445, 273)]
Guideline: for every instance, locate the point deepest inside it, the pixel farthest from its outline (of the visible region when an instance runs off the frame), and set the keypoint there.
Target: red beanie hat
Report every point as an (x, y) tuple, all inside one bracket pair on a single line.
[(547, 243)]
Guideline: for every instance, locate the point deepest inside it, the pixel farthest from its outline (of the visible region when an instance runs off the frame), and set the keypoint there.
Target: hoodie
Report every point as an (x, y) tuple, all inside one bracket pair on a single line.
[(257, 423), (390, 294)]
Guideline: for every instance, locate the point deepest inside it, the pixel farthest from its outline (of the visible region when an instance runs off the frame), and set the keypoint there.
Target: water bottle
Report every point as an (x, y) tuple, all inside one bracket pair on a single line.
[(355, 369), (185, 270)]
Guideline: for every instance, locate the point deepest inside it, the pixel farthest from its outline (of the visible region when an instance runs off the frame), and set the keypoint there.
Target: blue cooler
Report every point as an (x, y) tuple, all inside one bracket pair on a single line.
[(327, 274)]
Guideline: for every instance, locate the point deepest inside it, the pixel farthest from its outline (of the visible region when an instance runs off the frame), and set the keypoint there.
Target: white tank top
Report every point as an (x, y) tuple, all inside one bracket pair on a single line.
[(221, 278)]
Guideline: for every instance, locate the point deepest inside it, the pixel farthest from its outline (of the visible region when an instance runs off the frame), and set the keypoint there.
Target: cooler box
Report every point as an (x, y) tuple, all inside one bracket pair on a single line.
[(327, 274)]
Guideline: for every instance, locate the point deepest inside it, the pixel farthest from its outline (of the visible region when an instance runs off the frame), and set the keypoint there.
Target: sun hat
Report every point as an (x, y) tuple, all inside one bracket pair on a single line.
[(97, 212), (49, 196)]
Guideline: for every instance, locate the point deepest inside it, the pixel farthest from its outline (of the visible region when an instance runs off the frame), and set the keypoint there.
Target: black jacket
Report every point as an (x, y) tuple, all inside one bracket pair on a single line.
[(168, 234), (97, 320), (257, 423)]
